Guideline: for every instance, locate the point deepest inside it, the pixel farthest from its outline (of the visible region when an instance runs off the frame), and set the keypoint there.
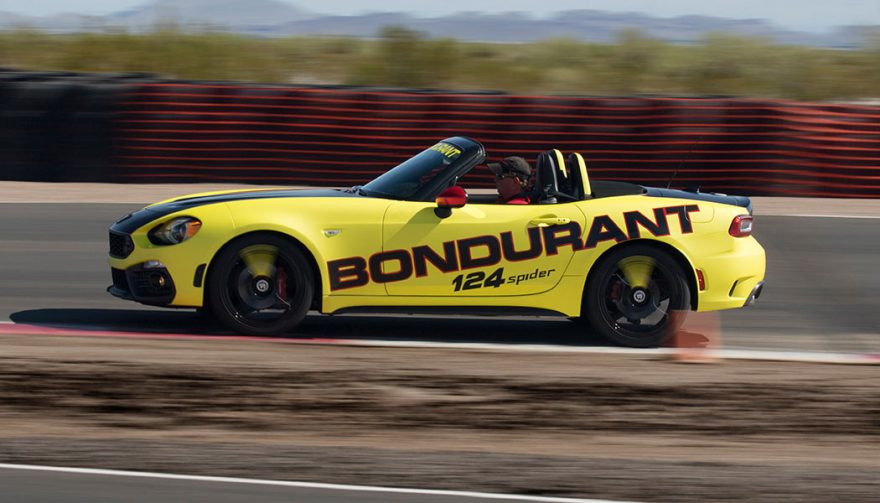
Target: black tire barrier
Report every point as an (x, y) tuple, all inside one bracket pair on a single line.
[(89, 136), (28, 135), (58, 126)]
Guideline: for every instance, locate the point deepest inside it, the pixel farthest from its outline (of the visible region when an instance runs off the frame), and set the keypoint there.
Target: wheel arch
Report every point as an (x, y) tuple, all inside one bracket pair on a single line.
[(313, 263), (667, 248)]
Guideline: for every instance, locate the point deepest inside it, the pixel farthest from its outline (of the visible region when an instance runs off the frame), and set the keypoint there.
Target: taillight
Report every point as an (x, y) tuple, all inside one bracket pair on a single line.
[(741, 226)]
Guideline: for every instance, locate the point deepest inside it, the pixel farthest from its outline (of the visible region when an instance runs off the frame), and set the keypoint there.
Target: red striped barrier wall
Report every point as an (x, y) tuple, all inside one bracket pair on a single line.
[(337, 136)]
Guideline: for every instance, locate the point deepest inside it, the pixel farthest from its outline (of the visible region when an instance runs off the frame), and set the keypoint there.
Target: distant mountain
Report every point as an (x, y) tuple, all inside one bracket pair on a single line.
[(237, 15), (275, 18), (243, 16), (366, 25)]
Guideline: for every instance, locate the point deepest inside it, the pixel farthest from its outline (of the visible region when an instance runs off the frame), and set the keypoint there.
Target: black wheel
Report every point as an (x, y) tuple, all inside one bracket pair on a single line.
[(637, 297), (260, 285)]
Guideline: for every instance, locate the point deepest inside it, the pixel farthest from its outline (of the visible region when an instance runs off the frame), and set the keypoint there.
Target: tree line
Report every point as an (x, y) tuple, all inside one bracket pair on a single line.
[(634, 64)]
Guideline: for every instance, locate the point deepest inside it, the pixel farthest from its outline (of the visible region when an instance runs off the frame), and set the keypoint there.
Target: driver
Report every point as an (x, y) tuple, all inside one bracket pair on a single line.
[(512, 179)]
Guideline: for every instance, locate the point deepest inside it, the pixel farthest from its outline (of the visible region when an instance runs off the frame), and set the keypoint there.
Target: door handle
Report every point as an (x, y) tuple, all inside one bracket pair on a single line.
[(548, 221)]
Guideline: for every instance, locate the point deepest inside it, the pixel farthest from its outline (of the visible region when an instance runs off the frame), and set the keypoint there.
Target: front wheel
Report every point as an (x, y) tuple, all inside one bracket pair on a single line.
[(260, 285), (637, 296)]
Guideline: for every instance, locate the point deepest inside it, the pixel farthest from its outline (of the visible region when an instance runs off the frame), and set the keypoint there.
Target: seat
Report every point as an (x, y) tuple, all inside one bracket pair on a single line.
[(550, 177), (580, 182), (546, 187)]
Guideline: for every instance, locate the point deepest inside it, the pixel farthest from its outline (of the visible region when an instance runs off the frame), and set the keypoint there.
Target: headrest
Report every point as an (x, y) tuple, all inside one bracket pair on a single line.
[(580, 180)]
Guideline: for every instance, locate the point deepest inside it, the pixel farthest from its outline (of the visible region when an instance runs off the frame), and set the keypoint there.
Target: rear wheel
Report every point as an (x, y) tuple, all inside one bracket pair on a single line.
[(260, 285), (637, 296)]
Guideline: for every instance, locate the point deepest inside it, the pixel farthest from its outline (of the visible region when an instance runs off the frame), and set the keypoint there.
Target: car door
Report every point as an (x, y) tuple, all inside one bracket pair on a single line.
[(478, 250)]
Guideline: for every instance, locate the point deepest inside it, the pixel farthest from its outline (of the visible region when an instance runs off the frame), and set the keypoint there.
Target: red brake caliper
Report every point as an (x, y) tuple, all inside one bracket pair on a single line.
[(615, 292), (281, 284)]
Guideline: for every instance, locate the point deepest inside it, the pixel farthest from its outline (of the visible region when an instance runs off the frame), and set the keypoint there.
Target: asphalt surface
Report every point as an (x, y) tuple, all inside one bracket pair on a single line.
[(27, 486), (822, 288)]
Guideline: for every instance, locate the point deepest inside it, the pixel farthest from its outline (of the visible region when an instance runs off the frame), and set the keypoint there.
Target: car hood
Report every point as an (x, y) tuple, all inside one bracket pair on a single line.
[(204, 198), (137, 219)]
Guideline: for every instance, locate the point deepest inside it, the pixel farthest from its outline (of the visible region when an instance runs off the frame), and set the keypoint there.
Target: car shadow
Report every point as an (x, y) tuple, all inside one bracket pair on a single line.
[(120, 320), (458, 329)]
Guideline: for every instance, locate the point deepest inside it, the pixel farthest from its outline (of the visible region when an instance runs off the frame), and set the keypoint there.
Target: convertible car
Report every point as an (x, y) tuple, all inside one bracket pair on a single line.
[(622, 257)]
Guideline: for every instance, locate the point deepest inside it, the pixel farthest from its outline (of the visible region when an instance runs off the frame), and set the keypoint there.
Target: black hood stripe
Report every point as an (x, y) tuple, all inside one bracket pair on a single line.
[(144, 216)]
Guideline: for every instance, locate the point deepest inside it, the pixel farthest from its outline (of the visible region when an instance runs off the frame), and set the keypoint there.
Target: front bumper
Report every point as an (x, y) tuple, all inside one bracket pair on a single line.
[(151, 285), (161, 276), (166, 275)]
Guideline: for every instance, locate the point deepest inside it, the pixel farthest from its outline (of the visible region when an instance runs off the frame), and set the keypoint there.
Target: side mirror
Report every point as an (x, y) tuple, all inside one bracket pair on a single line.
[(451, 197)]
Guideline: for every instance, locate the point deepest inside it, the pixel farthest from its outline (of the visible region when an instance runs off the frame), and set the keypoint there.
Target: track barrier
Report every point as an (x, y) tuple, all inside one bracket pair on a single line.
[(131, 128)]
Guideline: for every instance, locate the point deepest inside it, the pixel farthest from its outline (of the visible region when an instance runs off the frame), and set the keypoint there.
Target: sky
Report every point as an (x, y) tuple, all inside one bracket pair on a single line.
[(812, 15)]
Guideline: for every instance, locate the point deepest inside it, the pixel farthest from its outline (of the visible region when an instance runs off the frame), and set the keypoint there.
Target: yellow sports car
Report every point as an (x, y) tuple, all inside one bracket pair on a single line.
[(621, 256)]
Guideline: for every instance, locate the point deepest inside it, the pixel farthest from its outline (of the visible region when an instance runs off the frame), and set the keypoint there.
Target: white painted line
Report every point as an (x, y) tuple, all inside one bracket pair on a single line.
[(807, 215), (508, 347), (724, 354), (778, 355), (798, 356), (309, 485)]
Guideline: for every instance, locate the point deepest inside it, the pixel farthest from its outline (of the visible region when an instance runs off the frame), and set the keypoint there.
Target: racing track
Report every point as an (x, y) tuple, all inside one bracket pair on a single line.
[(624, 427), (822, 288), (33, 484)]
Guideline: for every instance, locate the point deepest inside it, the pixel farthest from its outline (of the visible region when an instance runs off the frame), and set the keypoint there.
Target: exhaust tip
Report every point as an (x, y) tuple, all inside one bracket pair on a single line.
[(756, 292)]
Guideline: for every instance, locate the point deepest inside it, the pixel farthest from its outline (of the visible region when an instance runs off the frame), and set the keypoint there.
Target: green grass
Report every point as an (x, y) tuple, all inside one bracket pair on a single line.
[(635, 64)]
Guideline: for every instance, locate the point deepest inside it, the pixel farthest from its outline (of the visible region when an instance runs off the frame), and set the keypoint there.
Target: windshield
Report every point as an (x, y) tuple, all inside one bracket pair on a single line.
[(405, 180)]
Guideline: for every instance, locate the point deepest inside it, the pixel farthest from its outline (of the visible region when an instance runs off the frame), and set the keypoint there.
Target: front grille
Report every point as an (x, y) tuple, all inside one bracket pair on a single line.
[(121, 245)]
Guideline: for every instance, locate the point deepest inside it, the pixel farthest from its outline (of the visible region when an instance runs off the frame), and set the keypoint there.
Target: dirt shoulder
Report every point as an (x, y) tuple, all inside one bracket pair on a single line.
[(39, 192), (601, 426)]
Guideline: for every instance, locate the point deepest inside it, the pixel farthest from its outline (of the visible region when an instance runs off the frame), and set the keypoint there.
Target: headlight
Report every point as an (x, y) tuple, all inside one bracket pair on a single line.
[(174, 231)]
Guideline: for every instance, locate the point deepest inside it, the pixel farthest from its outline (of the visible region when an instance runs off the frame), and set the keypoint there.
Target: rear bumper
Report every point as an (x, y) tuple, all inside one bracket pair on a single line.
[(734, 278)]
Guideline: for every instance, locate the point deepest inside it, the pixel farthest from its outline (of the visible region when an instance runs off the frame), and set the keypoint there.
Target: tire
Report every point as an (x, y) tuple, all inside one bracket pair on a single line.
[(260, 285), (637, 296)]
